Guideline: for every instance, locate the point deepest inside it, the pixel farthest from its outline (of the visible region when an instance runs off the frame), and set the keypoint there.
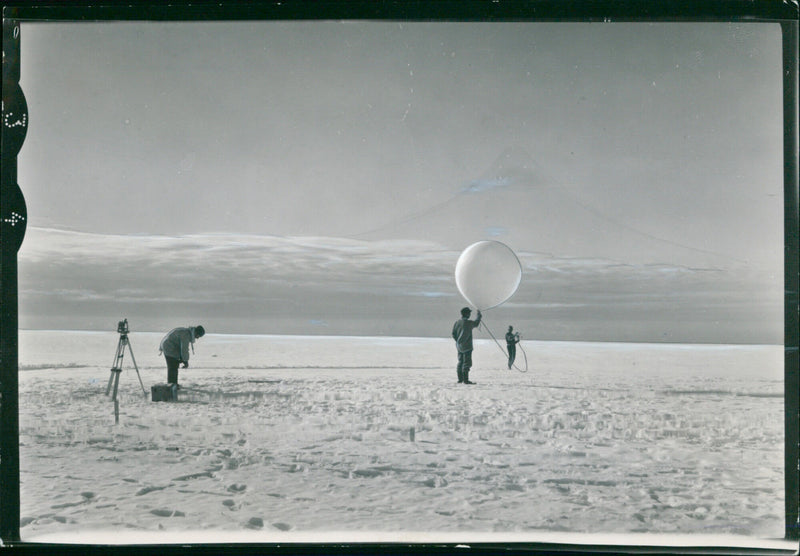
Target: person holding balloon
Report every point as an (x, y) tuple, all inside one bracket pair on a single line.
[(487, 274), (462, 334)]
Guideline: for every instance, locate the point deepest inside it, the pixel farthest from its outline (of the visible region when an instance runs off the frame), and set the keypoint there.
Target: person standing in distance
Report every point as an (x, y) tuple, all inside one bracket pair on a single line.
[(512, 339), (462, 334), (175, 347)]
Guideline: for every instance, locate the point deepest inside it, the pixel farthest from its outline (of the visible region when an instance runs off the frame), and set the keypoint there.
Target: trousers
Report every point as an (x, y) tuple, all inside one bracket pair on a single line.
[(512, 354), (172, 369), (464, 365)]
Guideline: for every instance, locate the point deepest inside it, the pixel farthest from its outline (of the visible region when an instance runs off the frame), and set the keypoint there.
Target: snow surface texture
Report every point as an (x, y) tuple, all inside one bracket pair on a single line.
[(303, 434)]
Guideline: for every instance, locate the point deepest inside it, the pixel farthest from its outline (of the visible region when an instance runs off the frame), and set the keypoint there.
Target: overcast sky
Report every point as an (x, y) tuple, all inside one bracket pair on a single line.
[(322, 177)]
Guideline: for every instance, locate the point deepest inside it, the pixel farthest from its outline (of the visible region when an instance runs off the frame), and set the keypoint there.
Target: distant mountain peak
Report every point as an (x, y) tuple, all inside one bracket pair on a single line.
[(513, 166)]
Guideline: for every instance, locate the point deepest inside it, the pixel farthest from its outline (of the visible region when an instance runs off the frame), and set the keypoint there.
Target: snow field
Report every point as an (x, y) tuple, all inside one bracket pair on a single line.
[(407, 449)]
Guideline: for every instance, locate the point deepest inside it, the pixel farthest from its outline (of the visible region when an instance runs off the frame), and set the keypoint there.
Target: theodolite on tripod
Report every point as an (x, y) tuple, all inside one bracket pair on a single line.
[(116, 370)]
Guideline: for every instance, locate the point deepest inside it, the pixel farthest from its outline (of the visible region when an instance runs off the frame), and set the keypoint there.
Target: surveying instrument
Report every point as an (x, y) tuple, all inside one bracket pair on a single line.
[(116, 370)]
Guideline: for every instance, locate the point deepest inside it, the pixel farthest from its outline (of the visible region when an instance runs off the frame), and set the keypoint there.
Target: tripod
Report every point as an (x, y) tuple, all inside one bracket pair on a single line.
[(116, 370)]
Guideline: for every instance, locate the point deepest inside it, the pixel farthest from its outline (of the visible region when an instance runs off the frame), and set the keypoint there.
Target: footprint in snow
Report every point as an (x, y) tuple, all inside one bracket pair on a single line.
[(168, 513), (255, 523), (145, 490)]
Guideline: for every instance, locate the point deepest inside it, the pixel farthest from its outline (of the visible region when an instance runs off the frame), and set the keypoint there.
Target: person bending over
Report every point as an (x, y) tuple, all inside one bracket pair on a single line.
[(175, 347)]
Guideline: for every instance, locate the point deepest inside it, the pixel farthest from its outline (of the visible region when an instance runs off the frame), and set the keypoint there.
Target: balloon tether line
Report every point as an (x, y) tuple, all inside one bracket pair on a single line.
[(483, 323)]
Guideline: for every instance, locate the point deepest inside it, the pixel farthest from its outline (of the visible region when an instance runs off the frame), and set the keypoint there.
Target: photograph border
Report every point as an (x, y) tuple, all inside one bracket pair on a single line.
[(14, 212)]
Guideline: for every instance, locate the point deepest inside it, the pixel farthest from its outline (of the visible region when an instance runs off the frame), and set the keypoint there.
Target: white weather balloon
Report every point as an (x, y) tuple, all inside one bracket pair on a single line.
[(487, 274)]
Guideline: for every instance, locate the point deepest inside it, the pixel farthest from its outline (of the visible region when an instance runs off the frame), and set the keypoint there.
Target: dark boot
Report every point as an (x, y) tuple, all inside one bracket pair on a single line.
[(466, 378)]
